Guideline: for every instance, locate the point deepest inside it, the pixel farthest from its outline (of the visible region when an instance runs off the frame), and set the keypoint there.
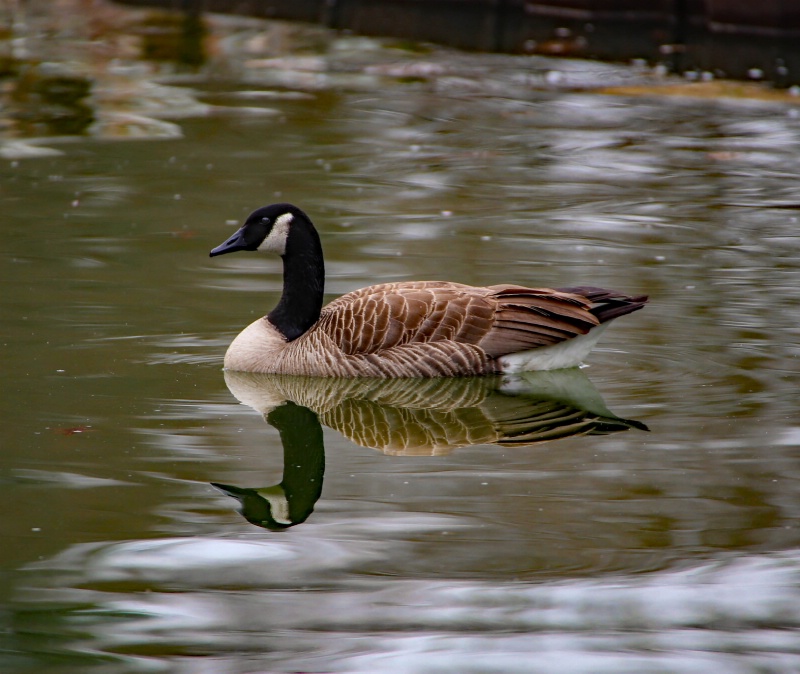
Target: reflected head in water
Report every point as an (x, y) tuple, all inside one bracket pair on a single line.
[(407, 329), (408, 417)]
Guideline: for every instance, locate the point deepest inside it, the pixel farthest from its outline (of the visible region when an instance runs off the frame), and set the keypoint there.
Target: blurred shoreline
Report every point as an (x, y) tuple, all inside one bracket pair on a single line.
[(744, 41), (94, 68)]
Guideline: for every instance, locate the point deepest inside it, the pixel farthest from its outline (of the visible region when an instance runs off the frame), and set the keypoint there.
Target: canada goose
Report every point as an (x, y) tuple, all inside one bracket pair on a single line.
[(407, 329)]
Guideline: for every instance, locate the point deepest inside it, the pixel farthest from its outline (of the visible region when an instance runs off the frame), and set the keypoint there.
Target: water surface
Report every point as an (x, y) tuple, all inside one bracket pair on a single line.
[(669, 550)]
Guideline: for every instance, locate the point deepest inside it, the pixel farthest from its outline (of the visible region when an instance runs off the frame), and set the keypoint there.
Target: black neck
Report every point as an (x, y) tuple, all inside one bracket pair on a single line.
[(303, 281)]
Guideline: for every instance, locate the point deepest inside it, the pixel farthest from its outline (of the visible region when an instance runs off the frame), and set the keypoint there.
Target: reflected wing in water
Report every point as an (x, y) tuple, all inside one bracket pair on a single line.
[(435, 416)]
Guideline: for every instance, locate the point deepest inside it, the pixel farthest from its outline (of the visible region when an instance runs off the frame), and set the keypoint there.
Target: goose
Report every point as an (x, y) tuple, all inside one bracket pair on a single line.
[(407, 328)]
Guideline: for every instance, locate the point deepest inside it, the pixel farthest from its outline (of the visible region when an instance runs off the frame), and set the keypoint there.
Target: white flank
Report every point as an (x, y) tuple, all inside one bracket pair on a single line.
[(570, 353), (276, 239)]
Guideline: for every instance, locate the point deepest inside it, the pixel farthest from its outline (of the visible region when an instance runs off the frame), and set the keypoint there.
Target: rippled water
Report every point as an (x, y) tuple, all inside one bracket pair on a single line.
[(627, 551)]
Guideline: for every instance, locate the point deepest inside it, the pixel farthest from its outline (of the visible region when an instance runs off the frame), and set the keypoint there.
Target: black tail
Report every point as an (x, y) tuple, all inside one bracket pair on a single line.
[(609, 304)]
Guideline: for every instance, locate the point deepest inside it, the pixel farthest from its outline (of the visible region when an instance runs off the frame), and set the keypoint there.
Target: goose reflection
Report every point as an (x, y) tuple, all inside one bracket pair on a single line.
[(407, 417)]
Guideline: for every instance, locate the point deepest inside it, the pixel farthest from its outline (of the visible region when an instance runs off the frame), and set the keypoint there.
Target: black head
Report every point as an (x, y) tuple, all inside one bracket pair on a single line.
[(265, 229)]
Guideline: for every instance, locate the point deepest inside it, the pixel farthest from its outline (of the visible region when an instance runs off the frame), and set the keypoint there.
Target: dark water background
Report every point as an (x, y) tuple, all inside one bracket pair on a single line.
[(124, 158)]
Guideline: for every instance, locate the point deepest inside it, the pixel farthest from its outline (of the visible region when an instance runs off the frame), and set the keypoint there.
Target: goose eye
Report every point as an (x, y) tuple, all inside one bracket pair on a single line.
[(265, 220)]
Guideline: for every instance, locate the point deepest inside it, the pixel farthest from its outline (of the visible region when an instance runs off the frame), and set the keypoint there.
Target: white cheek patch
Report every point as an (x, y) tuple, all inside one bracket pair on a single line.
[(276, 239)]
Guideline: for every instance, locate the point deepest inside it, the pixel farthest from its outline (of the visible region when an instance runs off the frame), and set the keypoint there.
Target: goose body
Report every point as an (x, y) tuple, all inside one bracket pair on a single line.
[(407, 329)]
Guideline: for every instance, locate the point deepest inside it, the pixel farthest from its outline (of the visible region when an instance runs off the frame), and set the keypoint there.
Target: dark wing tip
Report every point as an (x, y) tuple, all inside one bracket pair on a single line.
[(609, 304)]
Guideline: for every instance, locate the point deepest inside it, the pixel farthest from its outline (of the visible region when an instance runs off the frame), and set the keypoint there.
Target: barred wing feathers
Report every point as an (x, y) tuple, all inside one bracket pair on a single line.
[(446, 317)]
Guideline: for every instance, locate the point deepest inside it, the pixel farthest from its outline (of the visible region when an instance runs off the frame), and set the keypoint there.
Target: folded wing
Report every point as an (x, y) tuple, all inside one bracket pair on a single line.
[(498, 319)]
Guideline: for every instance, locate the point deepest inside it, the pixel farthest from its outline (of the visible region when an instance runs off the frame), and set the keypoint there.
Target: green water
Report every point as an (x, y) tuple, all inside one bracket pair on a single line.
[(669, 550)]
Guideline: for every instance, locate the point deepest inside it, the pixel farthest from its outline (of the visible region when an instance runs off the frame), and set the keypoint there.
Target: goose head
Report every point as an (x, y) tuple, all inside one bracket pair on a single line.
[(266, 229)]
